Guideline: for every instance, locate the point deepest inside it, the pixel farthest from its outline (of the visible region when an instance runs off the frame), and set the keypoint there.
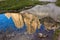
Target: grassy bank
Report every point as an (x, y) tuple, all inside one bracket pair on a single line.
[(18, 4), (58, 3), (56, 34)]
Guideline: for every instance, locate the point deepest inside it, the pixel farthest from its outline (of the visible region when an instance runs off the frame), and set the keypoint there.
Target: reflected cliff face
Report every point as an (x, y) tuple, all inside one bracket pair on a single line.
[(31, 21), (17, 18), (49, 23)]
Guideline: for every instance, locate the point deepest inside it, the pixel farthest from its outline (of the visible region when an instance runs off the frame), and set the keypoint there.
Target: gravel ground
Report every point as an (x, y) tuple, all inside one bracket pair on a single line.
[(25, 36)]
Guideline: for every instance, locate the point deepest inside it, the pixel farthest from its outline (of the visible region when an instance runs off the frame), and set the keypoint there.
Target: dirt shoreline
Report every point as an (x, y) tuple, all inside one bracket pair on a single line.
[(9, 11)]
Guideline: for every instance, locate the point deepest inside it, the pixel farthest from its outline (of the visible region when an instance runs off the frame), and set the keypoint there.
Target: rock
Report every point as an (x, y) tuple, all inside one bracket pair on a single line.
[(45, 10), (21, 37), (32, 22), (17, 18), (49, 23)]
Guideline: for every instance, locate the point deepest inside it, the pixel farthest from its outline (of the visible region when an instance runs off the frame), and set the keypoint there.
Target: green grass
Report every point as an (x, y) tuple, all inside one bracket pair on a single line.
[(58, 3), (18, 4), (56, 34)]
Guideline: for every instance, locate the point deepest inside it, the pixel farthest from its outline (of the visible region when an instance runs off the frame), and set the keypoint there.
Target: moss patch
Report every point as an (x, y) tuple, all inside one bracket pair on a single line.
[(58, 3), (56, 34), (18, 4)]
